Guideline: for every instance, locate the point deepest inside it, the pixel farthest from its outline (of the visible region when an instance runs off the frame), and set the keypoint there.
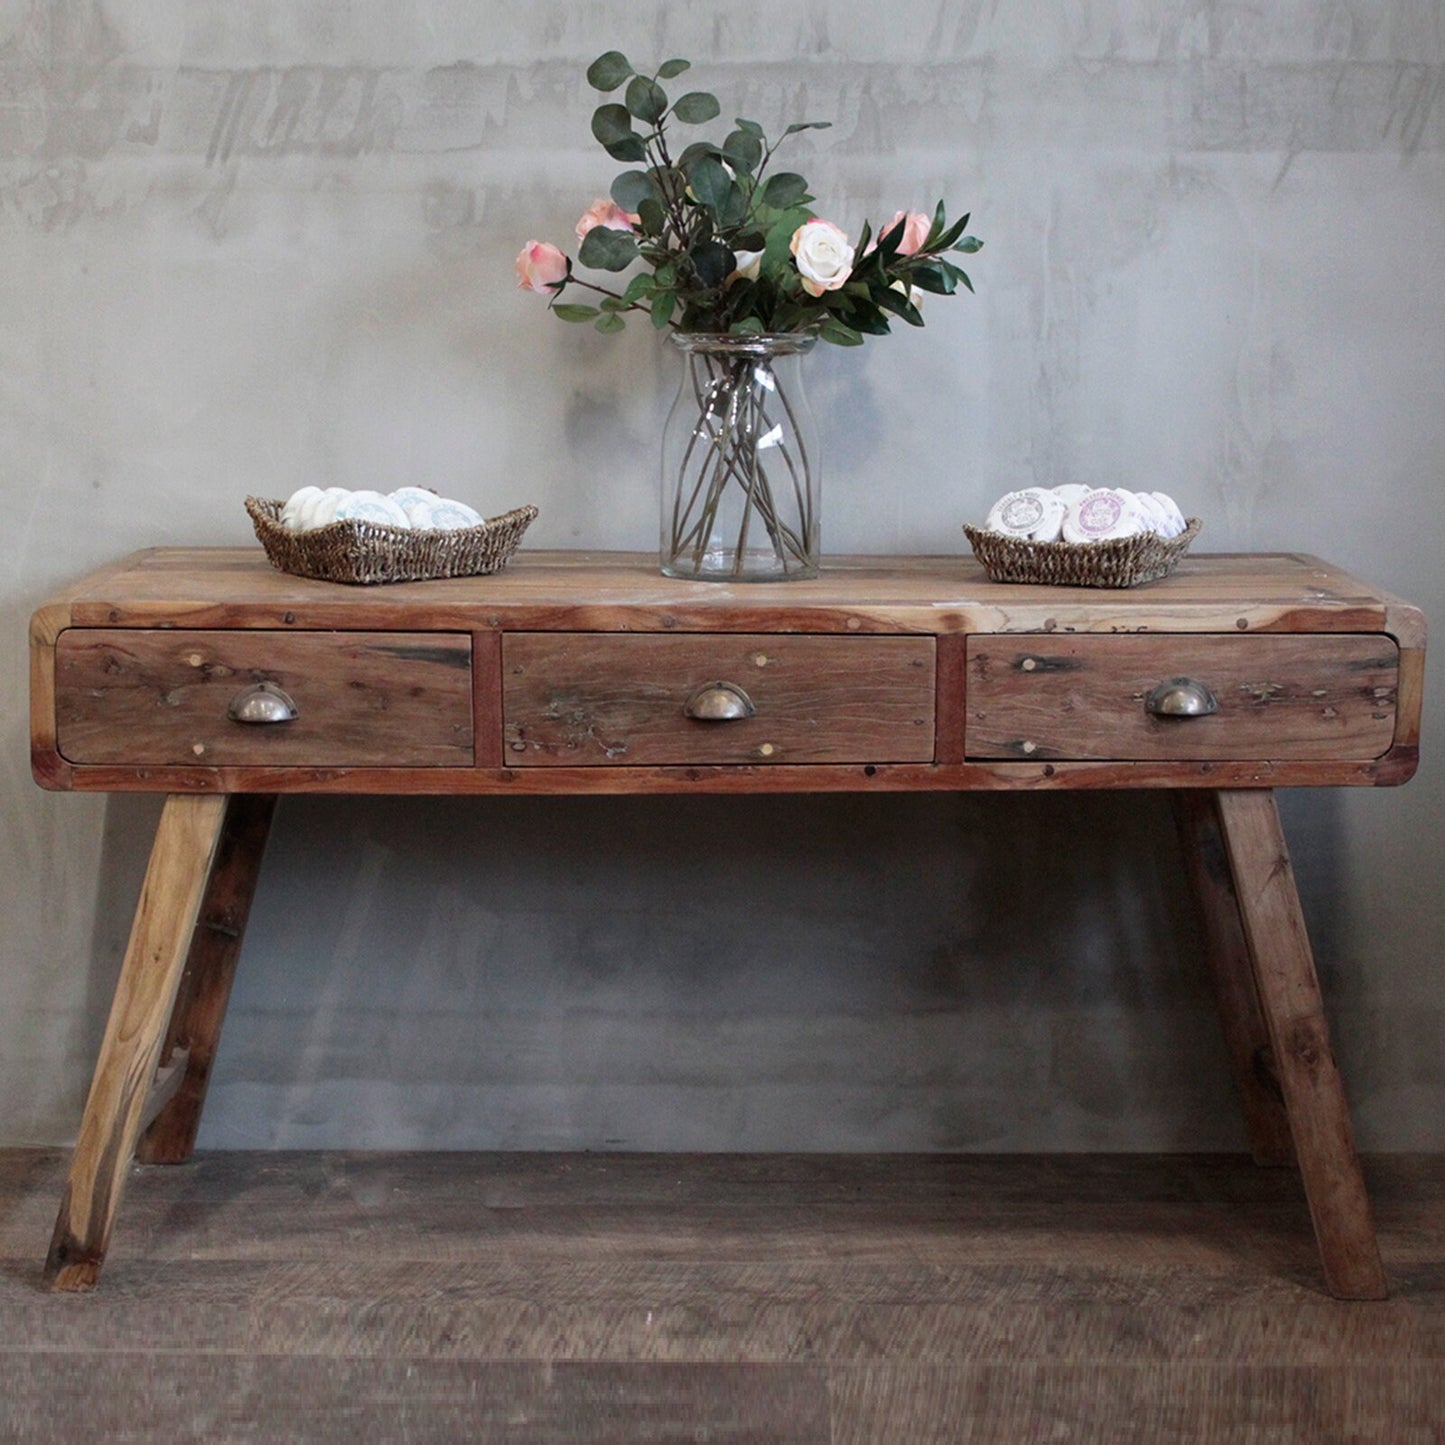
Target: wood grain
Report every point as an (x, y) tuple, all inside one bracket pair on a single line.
[(1232, 973), (160, 697), (1326, 696), (180, 863), (194, 1031), (593, 699), (1293, 1011)]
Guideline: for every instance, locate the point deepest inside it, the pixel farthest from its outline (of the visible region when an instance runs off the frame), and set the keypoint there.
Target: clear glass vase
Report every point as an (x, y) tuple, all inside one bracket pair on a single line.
[(740, 465)]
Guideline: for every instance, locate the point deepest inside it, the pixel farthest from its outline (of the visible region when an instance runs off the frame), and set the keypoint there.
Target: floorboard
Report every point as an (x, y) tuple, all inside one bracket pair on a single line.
[(632, 1298)]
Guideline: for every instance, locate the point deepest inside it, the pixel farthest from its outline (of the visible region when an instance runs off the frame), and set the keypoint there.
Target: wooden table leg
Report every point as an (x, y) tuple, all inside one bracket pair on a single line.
[(205, 987), (1232, 973), (1293, 1013), (125, 1073)]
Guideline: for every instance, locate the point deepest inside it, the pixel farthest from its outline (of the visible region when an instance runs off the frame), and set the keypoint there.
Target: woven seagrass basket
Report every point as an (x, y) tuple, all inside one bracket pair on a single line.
[(366, 552), (1125, 562)]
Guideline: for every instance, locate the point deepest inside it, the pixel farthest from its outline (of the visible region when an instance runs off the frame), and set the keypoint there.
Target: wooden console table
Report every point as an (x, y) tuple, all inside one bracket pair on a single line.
[(207, 676)]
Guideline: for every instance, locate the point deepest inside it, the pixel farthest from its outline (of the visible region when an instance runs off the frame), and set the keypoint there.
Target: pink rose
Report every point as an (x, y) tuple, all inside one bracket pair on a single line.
[(603, 212), (541, 268), (916, 227), (824, 256)]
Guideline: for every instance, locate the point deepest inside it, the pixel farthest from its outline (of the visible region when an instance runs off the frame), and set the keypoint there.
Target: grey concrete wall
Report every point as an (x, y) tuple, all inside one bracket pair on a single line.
[(244, 248)]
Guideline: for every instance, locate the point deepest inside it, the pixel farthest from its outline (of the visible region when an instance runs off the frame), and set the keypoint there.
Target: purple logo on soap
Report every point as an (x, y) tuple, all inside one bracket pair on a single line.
[(1100, 513)]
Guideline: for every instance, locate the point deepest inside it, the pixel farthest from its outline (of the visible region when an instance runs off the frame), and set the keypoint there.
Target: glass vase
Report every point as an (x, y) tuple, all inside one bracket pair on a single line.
[(740, 465)]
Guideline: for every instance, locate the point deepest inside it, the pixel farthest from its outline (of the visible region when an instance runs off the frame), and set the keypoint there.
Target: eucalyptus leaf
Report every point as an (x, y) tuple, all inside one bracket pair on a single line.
[(710, 181), (568, 312), (743, 151), (669, 68), (626, 148), (604, 249), (609, 71), (808, 125), (696, 107), (784, 190), (750, 127), (611, 123), (652, 217), (631, 188), (646, 99)]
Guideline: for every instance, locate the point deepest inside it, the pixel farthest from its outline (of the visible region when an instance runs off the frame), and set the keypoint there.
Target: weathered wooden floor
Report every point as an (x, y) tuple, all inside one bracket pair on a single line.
[(623, 1298)]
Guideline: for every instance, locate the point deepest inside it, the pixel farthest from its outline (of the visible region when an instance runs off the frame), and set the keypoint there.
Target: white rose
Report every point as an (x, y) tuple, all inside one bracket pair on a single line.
[(823, 255), (746, 265)]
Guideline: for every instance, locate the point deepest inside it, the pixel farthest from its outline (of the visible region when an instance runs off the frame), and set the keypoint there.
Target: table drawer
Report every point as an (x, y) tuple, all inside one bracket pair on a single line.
[(1295, 697), (576, 699), (394, 699)]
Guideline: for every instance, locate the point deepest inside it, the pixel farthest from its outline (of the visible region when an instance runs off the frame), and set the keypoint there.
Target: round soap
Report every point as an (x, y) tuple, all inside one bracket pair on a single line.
[(1156, 518), (404, 497), (291, 511), (371, 507), (1171, 510), (321, 511), (1033, 514), (419, 514), (451, 516), (1103, 515), (1070, 492)]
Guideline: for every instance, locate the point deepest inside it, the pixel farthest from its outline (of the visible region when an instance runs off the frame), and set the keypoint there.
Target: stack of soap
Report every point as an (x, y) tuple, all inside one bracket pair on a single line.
[(412, 507), (1074, 513)]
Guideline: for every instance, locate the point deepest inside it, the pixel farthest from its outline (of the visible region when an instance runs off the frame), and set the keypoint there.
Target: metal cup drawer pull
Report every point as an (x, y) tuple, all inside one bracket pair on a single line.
[(719, 702), (262, 702), (1181, 697)]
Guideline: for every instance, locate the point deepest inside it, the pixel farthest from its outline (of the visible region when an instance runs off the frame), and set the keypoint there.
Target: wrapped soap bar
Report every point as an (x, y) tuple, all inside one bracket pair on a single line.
[(1034, 514)]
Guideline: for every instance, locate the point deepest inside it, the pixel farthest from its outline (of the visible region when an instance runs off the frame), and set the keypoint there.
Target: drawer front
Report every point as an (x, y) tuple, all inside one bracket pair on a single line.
[(1296, 697), (374, 699), (580, 699)]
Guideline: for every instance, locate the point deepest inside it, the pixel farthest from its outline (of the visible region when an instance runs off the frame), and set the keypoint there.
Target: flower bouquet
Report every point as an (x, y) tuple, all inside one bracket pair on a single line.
[(743, 274)]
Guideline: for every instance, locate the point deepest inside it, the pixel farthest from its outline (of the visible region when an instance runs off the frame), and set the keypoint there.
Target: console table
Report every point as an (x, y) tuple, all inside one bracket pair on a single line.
[(205, 675)]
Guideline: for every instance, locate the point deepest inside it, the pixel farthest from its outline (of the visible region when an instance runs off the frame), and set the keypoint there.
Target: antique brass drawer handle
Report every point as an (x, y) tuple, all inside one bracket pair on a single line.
[(262, 702), (1181, 697), (719, 702)]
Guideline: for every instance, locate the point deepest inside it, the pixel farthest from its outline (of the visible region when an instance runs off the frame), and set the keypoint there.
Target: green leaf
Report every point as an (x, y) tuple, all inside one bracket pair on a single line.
[(710, 182), (696, 107), (969, 245), (807, 125), (696, 151), (664, 303), (669, 68), (628, 148), (652, 217), (935, 276), (646, 99), (607, 250), (631, 188), (713, 263), (751, 127), (744, 151), (777, 253), (748, 326), (897, 303), (784, 190), (608, 71), (839, 334), (610, 323), (565, 311), (611, 123), (642, 285)]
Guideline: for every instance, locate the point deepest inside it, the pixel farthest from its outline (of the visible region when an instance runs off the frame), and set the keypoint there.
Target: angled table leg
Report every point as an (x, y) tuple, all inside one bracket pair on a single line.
[(125, 1073), (1232, 972), (1293, 1014), (205, 987)]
